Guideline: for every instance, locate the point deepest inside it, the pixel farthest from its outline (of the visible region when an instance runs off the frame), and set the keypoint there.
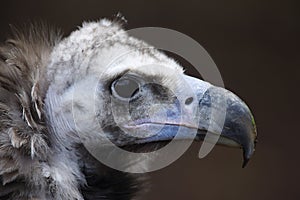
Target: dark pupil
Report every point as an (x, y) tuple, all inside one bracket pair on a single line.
[(126, 88)]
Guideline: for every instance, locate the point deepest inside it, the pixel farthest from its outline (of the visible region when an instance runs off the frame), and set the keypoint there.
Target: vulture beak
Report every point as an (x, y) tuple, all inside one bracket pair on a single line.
[(206, 113), (219, 106)]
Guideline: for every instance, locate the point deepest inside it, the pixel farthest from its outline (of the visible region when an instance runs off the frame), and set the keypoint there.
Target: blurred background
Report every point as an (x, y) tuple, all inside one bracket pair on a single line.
[(255, 44)]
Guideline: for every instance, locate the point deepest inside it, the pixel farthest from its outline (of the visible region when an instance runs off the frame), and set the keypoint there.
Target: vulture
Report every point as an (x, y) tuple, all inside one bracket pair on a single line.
[(99, 85)]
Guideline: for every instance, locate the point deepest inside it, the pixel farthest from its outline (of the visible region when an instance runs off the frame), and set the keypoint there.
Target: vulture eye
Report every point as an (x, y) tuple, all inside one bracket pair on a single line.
[(125, 87)]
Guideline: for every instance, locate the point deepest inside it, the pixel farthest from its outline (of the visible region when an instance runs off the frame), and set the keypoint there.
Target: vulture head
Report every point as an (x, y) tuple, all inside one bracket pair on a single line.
[(62, 100)]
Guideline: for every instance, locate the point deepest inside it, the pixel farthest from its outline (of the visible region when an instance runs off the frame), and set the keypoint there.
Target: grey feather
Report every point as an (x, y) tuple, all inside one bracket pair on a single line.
[(36, 162)]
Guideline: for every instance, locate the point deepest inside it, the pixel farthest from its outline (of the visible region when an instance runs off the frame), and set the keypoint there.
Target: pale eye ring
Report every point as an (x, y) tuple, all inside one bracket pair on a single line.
[(126, 87)]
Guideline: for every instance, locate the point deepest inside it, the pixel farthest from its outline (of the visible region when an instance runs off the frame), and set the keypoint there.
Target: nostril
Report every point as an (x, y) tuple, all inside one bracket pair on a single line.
[(189, 100)]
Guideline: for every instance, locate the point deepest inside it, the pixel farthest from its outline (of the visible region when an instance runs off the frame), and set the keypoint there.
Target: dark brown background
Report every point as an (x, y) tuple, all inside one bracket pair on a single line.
[(256, 47)]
